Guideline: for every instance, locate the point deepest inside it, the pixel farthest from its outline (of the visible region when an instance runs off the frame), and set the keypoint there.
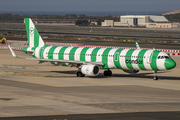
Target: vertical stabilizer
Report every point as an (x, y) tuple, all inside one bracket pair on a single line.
[(137, 45), (34, 39)]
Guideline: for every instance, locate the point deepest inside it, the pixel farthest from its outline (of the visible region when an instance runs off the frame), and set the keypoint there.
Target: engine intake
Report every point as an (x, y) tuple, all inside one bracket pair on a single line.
[(90, 70), (131, 71)]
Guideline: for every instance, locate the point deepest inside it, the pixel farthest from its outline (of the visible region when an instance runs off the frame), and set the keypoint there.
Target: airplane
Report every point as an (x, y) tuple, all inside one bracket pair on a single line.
[(89, 61)]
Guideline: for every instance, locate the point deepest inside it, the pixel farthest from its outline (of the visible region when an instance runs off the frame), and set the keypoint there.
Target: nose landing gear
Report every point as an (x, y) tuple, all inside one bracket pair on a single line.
[(155, 75)]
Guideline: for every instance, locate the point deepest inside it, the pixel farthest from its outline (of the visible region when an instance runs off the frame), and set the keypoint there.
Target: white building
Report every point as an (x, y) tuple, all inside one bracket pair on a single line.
[(108, 23), (142, 19), (150, 21)]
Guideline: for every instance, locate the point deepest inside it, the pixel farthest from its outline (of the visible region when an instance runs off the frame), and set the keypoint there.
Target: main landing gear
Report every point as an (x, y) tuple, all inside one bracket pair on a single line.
[(107, 73), (155, 76), (80, 74)]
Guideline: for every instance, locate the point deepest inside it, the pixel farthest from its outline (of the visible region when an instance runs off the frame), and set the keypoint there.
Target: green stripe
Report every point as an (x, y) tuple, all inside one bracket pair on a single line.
[(72, 52), (128, 57), (27, 29), (117, 63), (141, 54), (51, 52), (83, 52), (61, 53), (41, 52), (105, 58), (64, 64), (33, 48), (25, 49), (53, 63), (94, 54), (153, 61), (34, 52), (36, 37)]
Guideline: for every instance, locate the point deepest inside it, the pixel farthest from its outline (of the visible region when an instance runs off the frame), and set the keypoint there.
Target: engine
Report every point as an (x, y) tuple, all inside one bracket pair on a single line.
[(131, 71), (90, 70)]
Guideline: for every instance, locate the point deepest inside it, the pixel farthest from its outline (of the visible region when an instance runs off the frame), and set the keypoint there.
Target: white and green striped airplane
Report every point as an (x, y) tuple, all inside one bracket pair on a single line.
[(89, 61)]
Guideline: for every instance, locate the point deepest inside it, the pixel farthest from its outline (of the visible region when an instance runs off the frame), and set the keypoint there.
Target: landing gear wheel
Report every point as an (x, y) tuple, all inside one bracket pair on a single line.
[(155, 78), (107, 73), (80, 74)]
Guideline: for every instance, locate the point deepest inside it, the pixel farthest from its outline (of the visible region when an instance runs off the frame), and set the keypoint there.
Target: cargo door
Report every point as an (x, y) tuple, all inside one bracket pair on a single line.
[(41, 52), (149, 58), (116, 57)]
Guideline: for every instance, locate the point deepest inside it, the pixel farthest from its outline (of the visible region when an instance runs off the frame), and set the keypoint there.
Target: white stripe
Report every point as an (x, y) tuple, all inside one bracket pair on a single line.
[(111, 59), (135, 53), (56, 56), (41, 42), (37, 52), (89, 51), (122, 59), (29, 48), (146, 60), (46, 51), (77, 53), (31, 33), (67, 51), (160, 62), (99, 54)]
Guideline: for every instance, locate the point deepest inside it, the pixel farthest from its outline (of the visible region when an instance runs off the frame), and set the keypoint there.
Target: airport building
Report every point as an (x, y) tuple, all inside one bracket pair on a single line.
[(149, 21), (142, 20)]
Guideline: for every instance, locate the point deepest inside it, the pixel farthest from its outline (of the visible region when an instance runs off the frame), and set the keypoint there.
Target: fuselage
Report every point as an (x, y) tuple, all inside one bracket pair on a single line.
[(126, 59)]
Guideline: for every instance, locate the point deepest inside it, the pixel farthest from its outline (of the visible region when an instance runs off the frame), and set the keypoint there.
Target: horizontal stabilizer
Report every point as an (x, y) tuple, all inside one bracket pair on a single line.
[(12, 52)]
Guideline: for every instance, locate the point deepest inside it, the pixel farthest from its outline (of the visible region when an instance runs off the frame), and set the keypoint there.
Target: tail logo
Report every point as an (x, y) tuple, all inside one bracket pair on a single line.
[(31, 31)]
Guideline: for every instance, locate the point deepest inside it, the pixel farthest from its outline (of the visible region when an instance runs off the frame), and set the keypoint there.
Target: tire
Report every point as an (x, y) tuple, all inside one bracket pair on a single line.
[(107, 73), (155, 78), (83, 75), (79, 74)]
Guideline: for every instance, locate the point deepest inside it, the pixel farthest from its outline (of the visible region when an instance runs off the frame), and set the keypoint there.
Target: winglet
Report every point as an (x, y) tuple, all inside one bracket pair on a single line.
[(137, 45), (12, 52)]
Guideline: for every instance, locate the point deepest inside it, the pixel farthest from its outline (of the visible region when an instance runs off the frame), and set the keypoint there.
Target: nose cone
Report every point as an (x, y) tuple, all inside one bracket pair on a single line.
[(170, 64)]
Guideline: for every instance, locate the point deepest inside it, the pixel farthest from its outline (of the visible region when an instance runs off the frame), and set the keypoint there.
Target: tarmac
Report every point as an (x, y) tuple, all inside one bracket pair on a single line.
[(29, 90)]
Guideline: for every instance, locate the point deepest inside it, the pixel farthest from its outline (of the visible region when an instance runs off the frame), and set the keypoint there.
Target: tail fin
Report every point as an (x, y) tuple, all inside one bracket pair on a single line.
[(137, 45), (34, 39)]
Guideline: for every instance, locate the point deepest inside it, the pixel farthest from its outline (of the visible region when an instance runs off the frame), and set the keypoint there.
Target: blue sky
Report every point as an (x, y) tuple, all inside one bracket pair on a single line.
[(89, 5)]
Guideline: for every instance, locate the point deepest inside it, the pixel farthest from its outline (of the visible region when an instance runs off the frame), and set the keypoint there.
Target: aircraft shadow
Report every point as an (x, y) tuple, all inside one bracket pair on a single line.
[(139, 75), (66, 72)]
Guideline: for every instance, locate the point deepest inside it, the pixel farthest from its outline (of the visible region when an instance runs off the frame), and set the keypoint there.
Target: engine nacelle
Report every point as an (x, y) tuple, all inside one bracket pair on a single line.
[(131, 71), (90, 70)]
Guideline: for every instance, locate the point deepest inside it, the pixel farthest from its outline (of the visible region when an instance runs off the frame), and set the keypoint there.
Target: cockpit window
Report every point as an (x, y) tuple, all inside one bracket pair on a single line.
[(164, 57), (167, 57)]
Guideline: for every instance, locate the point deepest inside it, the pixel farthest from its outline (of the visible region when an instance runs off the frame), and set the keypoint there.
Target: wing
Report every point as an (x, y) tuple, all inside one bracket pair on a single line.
[(56, 60)]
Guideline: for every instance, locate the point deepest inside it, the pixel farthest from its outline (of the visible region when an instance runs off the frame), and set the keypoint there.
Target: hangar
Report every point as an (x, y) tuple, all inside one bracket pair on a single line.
[(142, 19), (148, 21)]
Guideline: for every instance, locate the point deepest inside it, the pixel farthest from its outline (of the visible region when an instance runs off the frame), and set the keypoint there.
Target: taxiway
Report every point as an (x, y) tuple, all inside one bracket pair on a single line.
[(31, 89)]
